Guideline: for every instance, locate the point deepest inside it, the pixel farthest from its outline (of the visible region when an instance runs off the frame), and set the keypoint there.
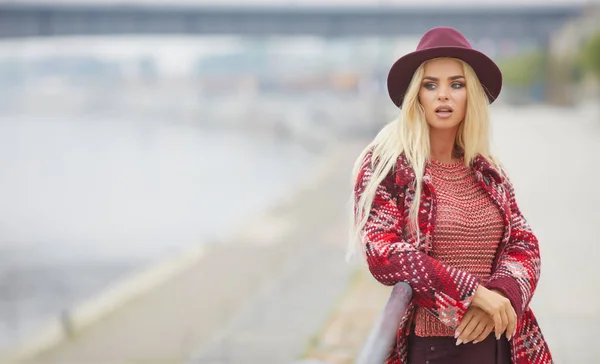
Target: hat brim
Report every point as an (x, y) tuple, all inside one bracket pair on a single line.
[(402, 70)]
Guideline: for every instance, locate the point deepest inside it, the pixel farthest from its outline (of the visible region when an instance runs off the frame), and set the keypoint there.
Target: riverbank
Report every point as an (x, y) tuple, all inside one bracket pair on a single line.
[(211, 306), (89, 202)]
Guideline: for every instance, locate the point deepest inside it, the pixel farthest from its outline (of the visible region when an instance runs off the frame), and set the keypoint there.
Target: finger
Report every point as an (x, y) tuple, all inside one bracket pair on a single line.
[(484, 334), (498, 324), (464, 336), (466, 319), (476, 331), (505, 322), (512, 325)]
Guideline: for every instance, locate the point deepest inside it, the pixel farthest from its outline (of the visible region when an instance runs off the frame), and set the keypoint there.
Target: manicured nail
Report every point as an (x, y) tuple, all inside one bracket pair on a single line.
[(458, 342), (508, 338), (475, 342), (456, 334), (497, 337)]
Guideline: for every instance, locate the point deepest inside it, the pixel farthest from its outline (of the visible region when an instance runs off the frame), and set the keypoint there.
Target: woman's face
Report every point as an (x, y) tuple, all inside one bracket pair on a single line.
[(443, 94)]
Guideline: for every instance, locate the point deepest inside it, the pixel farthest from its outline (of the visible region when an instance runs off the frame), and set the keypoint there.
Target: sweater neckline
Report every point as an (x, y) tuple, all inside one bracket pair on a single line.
[(459, 162)]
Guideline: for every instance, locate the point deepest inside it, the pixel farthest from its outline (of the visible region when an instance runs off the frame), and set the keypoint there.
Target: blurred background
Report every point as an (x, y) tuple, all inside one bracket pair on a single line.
[(135, 133)]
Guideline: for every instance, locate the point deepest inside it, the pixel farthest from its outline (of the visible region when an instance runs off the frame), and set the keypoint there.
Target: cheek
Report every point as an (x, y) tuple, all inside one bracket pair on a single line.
[(461, 100), (426, 99)]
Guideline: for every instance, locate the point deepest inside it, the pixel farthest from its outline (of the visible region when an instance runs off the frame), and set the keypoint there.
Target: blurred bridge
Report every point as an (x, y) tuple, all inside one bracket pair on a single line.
[(507, 20)]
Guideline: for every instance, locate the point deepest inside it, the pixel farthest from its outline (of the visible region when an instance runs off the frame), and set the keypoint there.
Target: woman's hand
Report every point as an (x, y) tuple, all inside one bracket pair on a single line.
[(475, 326), (500, 310)]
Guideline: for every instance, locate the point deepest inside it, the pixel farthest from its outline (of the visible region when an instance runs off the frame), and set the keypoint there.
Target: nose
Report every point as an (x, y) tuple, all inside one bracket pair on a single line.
[(442, 94)]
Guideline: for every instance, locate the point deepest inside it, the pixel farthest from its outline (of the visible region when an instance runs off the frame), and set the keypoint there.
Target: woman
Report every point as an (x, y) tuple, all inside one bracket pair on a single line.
[(433, 208)]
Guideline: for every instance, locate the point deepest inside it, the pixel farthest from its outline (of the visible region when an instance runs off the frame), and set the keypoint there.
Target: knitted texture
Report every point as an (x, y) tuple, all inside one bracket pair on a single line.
[(467, 232), (393, 254)]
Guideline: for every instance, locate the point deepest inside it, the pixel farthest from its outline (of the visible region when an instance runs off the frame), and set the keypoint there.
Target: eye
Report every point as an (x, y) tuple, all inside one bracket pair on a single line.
[(429, 85), (457, 85)]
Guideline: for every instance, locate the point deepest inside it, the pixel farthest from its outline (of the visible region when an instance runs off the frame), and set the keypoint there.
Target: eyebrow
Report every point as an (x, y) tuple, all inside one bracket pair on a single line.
[(437, 79)]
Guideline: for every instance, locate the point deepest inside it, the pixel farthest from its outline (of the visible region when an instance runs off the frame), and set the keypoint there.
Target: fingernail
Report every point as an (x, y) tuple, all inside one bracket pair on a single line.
[(456, 334), (475, 342), (458, 342), (508, 338), (497, 337)]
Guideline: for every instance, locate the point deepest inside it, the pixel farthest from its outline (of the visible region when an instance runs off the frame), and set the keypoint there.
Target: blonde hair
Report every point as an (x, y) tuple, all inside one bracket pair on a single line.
[(409, 133)]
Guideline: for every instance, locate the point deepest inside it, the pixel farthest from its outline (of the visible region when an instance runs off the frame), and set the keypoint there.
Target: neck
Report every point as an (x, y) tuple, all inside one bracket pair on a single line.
[(441, 144)]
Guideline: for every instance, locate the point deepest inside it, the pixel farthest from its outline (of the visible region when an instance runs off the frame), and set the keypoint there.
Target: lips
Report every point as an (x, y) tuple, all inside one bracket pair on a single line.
[(444, 111)]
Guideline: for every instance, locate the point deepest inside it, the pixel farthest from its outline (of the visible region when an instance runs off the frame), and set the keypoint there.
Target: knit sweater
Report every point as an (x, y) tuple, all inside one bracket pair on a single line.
[(466, 234)]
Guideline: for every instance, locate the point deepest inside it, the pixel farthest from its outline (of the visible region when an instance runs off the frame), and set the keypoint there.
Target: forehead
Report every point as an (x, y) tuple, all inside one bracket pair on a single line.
[(443, 67)]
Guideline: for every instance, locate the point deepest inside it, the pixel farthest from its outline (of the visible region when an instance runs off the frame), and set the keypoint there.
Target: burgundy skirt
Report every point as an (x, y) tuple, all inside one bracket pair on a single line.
[(437, 350)]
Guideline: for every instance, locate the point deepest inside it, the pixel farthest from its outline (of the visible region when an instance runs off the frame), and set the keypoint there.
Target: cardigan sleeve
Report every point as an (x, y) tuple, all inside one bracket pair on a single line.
[(444, 291), (518, 269)]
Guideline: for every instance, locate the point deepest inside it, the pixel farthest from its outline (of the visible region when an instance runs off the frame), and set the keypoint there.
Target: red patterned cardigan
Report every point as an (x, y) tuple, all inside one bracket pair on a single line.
[(394, 255)]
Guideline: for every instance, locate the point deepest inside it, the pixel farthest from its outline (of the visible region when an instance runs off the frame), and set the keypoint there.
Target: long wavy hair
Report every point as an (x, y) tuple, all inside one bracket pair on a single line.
[(409, 134)]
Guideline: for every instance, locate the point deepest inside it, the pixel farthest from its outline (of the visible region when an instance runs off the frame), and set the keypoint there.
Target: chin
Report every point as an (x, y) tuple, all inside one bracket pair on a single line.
[(444, 124)]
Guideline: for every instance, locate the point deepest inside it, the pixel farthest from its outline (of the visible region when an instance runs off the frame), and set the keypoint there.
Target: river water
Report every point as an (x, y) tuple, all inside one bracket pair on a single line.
[(84, 201)]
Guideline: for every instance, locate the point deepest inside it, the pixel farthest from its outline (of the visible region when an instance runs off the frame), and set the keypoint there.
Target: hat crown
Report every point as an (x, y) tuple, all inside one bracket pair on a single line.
[(443, 42), (443, 37)]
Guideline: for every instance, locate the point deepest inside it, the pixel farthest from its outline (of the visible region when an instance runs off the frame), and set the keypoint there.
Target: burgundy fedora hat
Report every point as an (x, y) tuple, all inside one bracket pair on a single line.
[(443, 42)]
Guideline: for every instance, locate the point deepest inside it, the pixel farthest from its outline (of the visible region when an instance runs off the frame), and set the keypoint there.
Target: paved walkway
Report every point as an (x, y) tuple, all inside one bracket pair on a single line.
[(553, 157), (345, 331)]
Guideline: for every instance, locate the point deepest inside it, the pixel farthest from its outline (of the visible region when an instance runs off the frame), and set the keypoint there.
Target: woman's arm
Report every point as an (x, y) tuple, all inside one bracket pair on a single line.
[(518, 269), (444, 291)]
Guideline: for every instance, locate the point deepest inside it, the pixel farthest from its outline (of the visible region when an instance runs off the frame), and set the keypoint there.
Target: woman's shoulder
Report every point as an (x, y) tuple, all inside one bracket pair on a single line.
[(491, 166), (371, 161)]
